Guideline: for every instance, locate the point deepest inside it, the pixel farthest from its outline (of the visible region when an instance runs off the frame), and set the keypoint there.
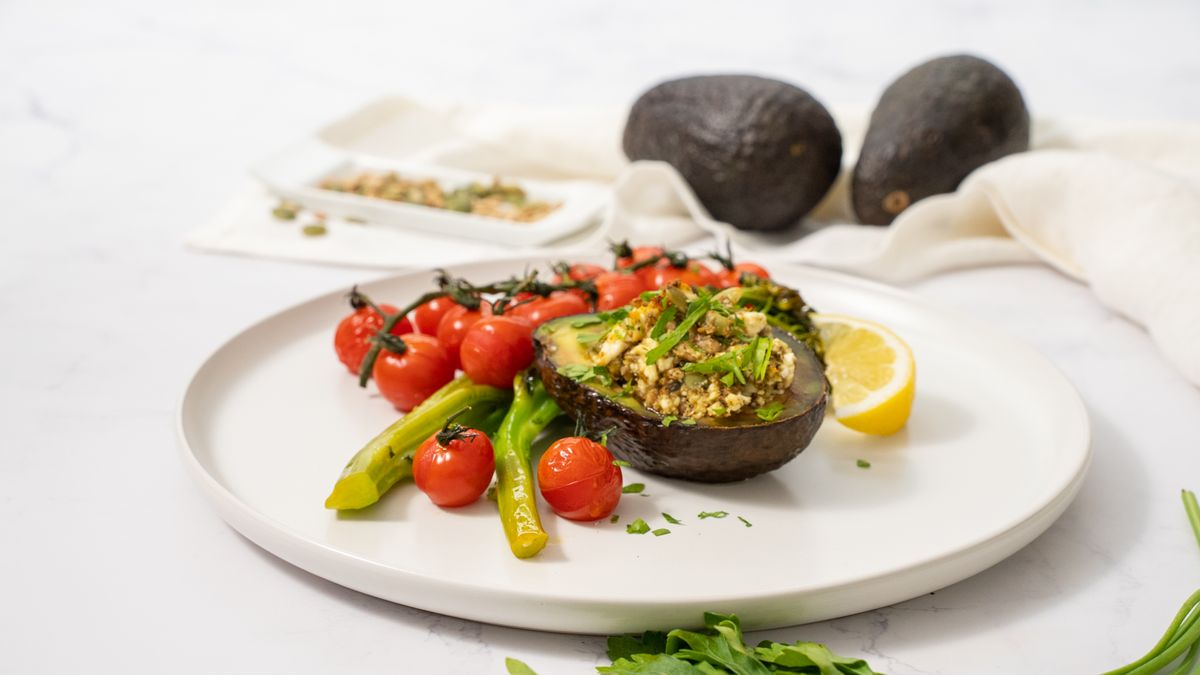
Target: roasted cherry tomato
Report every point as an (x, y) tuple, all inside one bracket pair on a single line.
[(454, 466), (732, 277), (617, 289), (694, 274), (426, 317), (559, 303), (496, 348), (352, 339), (578, 479), (640, 253), (581, 272), (453, 327), (408, 378)]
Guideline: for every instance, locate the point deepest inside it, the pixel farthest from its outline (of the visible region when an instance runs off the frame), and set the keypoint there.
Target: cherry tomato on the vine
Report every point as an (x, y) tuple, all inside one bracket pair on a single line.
[(581, 272), (407, 379), (558, 303), (453, 327), (578, 479), (640, 253), (426, 317), (496, 348), (732, 277), (694, 274), (352, 339), (454, 466), (617, 289)]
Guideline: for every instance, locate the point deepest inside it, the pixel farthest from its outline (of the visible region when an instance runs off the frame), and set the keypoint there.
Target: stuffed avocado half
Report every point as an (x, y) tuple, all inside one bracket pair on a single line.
[(688, 383)]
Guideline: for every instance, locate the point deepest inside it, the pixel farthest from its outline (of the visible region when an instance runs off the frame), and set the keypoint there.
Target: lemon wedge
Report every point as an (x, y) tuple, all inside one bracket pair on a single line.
[(871, 371)]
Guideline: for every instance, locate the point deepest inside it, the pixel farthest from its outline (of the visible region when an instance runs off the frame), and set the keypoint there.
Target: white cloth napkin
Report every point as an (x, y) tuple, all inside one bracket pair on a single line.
[(1113, 206)]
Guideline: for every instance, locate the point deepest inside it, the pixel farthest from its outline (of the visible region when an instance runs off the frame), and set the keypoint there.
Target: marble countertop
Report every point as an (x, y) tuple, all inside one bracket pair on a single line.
[(125, 124)]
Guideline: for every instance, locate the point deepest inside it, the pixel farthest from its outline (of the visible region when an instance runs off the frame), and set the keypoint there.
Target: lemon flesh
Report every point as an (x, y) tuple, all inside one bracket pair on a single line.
[(871, 371)]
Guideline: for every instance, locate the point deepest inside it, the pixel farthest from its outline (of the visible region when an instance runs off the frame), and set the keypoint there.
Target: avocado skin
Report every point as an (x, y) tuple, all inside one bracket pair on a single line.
[(932, 127), (758, 153), (701, 453)]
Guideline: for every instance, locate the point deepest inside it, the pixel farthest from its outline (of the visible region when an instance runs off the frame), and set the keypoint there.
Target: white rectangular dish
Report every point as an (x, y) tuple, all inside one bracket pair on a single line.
[(295, 173)]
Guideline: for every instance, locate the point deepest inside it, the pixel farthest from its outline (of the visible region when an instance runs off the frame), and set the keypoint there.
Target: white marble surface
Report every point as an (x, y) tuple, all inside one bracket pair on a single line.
[(123, 125)]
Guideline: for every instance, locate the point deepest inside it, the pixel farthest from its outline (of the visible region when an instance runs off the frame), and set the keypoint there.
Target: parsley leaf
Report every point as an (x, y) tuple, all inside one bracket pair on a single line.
[(619, 462), (688, 422), (517, 667), (633, 488), (615, 518), (666, 421), (769, 413), (660, 326), (712, 514), (647, 296), (660, 532), (745, 522), (581, 372), (638, 526), (648, 643), (696, 311), (671, 519)]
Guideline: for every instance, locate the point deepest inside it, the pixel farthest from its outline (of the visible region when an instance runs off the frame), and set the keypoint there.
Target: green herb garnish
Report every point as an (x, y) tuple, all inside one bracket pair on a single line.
[(712, 514), (688, 422), (581, 372), (671, 519), (668, 419), (721, 648), (638, 526), (862, 464), (719, 410), (633, 488), (517, 667), (647, 296), (745, 522), (769, 413), (660, 326), (696, 311), (660, 532), (615, 518), (620, 462), (588, 338)]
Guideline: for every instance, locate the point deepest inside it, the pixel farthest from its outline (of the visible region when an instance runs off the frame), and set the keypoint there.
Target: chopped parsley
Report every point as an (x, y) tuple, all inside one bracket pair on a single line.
[(719, 410), (863, 464), (660, 326), (688, 422), (613, 316), (633, 488), (638, 526), (671, 519), (581, 372), (660, 532), (618, 462), (712, 514), (615, 518), (647, 296), (668, 419), (769, 413), (745, 522), (696, 311)]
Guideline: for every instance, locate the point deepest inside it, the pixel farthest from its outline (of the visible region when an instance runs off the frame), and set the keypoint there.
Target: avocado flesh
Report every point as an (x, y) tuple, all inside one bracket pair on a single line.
[(714, 450), (932, 127)]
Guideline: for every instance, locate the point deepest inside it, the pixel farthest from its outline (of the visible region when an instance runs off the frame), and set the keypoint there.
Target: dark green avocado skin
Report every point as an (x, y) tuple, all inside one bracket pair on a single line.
[(758, 153), (932, 127), (733, 449)]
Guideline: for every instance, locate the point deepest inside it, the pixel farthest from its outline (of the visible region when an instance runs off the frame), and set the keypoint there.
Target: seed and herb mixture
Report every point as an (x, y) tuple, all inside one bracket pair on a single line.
[(690, 354), (497, 200)]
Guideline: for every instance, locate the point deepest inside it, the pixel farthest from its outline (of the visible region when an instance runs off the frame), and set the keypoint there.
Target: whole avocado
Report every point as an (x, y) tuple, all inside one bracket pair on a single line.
[(759, 153), (932, 127)]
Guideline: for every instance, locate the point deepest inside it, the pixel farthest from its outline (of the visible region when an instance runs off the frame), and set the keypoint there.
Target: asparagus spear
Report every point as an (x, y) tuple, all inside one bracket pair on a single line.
[(532, 409), (387, 458)]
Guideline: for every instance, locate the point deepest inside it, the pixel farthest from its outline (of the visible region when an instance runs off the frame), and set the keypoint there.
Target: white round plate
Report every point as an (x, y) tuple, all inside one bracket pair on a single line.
[(996, 448)]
